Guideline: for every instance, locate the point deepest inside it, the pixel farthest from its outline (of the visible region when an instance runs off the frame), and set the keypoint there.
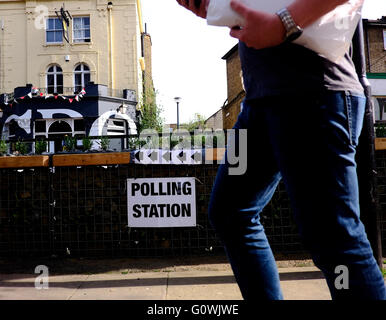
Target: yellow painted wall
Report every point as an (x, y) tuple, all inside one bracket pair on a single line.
[(25, 55)]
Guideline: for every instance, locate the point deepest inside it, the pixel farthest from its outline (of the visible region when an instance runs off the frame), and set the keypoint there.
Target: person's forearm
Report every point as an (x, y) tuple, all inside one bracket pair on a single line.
[(305, 12)]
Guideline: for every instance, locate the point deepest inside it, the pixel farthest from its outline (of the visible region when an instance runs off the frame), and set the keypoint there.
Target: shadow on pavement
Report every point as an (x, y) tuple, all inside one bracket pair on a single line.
[(164, 279), (306, 275)]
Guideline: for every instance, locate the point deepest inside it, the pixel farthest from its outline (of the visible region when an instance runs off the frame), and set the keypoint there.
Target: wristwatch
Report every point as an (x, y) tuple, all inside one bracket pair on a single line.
[(292, 29)]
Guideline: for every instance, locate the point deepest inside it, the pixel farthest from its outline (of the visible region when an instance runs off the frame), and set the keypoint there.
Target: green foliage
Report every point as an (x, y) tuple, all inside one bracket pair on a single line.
[(87, 143), (3, 147), (104, 143), (69, 143), (150, 112), (21, 147), (380, 130), (135, 143), (40, 146), (198, 122)]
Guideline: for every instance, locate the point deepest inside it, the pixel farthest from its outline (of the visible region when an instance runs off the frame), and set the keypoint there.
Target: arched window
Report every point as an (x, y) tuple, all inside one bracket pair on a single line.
[(60, 126), (82, 76), (54, 79)]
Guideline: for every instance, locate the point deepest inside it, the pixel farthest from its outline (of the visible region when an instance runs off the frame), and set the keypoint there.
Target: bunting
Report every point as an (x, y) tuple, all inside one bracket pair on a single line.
[(35, 92)]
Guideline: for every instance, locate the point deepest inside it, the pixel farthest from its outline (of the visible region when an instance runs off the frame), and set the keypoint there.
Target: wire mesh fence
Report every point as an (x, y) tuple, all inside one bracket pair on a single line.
[(24, 212), (82, 212)]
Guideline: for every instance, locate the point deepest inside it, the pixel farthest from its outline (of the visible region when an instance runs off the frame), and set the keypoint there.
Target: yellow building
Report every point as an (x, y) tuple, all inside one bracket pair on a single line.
[(104, 44), (104, 48)]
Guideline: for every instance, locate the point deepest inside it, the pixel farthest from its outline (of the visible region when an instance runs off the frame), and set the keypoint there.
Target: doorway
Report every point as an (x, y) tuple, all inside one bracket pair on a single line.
[(57, 131)]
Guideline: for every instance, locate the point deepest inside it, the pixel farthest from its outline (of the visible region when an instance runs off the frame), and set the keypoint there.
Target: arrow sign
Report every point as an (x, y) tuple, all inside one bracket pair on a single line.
[(139, 156), (167, 156), (182, 156), (153, 156), (197, 156)]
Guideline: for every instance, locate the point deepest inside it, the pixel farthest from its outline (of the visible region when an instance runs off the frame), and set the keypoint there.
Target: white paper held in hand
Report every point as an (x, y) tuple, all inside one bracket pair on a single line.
[(330, 36)]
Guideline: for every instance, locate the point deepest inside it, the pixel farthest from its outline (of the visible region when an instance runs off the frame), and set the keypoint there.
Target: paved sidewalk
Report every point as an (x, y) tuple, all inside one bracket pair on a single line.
[(298, 283)]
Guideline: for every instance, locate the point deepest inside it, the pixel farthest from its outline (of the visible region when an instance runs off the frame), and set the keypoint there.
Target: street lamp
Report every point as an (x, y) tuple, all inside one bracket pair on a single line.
[(177, 100)]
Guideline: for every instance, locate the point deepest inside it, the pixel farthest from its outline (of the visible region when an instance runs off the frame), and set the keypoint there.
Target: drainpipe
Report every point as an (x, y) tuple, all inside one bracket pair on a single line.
[(141, 59), (139, 12), (109, 9)]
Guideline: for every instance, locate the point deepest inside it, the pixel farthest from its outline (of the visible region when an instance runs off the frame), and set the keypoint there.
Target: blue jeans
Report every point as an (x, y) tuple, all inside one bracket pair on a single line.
[(309, 142)]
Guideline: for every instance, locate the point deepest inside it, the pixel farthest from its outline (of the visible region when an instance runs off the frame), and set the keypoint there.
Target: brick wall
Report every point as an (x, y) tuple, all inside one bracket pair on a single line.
[(235, 88), (147, 48), (231, 111), (233, 75), (215, 121)]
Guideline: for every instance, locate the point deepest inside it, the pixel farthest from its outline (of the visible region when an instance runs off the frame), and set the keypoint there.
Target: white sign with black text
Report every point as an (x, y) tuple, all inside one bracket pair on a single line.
[(161, 202)]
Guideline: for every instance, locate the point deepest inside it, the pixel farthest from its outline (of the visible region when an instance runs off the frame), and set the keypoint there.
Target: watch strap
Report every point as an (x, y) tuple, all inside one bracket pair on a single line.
[(292, 29)]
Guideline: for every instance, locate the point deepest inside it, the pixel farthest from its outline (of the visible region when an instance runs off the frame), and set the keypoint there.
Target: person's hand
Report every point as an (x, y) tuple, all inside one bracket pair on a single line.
[(189, 4), (260, 29)]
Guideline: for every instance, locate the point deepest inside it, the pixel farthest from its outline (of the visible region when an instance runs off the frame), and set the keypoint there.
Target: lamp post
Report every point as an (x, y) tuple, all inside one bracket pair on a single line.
[(177, 100)]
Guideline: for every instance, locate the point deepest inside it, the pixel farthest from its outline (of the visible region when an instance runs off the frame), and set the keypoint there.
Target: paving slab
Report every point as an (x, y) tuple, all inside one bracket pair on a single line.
[(304, 283), (209, 285), (137, 286), (22, 287)]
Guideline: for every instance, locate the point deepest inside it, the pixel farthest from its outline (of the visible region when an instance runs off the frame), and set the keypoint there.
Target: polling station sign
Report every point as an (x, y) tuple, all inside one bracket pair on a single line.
[(161, 202)]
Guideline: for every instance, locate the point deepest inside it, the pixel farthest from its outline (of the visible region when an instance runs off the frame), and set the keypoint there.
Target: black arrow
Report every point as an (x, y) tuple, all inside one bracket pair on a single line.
[(182, 156), (139, 156)]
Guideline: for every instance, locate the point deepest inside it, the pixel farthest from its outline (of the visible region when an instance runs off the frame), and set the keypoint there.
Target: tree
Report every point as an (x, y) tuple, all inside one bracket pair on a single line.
[(150, 117), (198, 122)]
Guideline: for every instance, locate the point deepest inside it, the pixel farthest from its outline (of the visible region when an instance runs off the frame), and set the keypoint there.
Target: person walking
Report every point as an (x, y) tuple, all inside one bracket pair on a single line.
[(304, 116)]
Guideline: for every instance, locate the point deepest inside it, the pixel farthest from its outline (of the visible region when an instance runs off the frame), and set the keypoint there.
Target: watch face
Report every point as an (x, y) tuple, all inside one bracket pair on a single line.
[(294, 34), (293, 30)]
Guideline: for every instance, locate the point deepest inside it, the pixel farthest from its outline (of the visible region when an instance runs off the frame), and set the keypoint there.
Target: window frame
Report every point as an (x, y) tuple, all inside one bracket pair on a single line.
[(55, 73), (53, 30), (82, 73), (83, 39)]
